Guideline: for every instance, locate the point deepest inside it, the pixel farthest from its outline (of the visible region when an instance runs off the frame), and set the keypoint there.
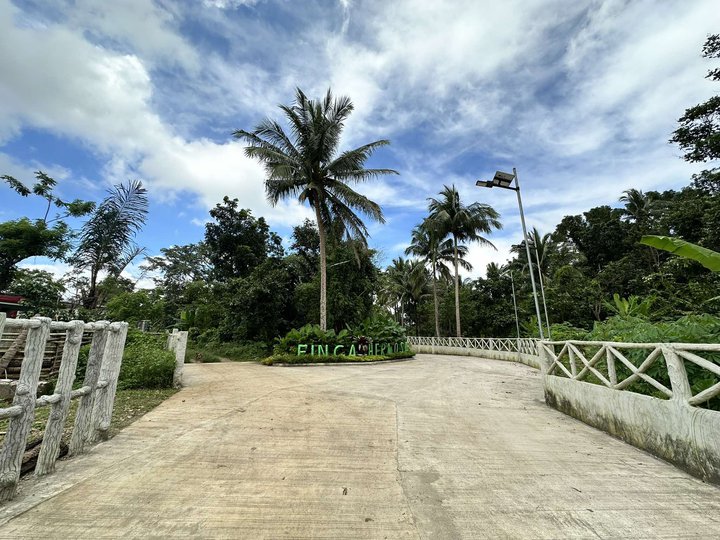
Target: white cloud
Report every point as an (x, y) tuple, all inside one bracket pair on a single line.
[(84, 91), (228, 4), (580, 96)]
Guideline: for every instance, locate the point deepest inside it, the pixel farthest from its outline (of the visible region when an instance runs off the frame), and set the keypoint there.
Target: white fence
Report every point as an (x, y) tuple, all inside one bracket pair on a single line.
[(96, 395), (523, 350), (607, 363)]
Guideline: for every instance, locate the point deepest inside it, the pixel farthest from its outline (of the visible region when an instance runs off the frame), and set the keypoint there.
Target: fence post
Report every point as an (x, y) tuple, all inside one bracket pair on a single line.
[(612, 373), (25, 396), (59, 410), (678, 376), (180, 348), (172, 340), (107, 385), (81, 429)]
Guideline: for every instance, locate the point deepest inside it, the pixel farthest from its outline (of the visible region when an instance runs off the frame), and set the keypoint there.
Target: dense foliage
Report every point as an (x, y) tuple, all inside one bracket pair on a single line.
[(146, 363), (379, 329)]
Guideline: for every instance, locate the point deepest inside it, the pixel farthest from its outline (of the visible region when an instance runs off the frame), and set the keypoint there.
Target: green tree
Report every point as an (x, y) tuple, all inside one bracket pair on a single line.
[(136, 306), (23, 238), (426, 243), (698, 133), (179, 265), (408, 285), (41, 292), (599, 235), (106, 240), (237, 242), (463, 223), (307, 166)]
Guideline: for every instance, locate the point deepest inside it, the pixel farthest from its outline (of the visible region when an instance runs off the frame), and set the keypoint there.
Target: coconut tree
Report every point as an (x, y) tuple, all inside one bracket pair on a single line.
[(638, 205), (406, 286), (308, 165), (544, 248), (427, 244), (463, 223), (107, 238)]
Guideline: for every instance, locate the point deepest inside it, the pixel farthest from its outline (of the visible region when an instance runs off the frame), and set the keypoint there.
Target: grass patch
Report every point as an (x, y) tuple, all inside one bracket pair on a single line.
[(218, 352), (336, 359), (129, 406)]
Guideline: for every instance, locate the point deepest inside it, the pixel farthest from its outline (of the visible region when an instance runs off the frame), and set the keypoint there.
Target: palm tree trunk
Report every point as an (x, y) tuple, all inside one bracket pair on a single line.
[(435, 299), (323, 269), (457, 288)]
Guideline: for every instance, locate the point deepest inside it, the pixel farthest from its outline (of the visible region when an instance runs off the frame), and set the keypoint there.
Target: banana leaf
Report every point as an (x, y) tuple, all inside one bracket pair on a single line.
[(707, 257)]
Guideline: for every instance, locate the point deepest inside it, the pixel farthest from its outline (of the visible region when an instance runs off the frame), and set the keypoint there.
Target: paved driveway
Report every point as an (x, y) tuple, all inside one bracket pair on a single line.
[(436, 447)]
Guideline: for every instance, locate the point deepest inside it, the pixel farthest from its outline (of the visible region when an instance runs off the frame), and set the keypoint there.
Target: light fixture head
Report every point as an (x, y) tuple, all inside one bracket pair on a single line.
[(484, 183), (503, 179)]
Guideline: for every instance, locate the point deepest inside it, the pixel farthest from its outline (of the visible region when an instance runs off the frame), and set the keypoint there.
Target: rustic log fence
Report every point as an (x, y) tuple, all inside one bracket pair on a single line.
[(96, 395)]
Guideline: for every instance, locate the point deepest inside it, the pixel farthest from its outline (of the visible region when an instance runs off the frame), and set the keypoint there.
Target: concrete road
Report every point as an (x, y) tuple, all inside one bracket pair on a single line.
[(436, 447)]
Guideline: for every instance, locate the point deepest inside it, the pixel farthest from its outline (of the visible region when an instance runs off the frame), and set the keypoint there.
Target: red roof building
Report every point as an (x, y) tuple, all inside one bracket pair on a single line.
[(10, 304)]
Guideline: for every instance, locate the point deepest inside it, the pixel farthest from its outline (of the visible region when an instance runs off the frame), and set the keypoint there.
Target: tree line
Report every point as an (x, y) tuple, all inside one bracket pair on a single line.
[(241, 285)]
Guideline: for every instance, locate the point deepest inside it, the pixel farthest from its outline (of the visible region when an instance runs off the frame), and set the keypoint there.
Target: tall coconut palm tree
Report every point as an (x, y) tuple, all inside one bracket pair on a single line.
[(407, 282), (306, 164), (107, 238), (463, 223), (426, 243)]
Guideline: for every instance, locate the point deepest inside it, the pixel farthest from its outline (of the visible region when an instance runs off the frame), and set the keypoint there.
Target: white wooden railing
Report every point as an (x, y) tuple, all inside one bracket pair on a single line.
[(598, 362), (96, 395), (522, 345)]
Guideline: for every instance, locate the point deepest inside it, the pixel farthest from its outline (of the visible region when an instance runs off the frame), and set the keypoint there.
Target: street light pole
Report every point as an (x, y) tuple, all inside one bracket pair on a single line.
[(527, 248), (542, 291), (517, 319), (505, 180)]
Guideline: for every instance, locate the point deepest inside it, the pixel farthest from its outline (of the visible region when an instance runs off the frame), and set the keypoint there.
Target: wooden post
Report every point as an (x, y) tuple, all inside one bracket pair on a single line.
[(81, 430), (59, 412), (107, 385), (180, 348), (25, 395)]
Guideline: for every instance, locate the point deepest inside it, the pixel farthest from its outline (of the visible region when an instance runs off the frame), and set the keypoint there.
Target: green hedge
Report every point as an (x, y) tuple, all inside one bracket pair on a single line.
[(378, 329), (332, 359), (146, 363)]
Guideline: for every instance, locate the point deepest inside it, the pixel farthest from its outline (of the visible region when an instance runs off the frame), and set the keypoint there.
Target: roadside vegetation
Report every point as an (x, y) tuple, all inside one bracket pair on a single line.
[(241, 292)]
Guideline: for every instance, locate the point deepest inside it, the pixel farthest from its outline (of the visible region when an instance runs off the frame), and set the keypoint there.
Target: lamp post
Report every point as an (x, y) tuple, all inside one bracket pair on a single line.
[(504, 180), (542, 289), (512, 285)]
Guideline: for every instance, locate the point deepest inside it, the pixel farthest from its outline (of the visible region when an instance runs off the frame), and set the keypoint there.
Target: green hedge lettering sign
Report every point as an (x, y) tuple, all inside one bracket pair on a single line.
[(375, 349)]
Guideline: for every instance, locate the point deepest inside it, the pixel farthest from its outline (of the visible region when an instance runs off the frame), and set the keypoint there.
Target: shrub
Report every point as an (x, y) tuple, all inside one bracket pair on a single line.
[(311, 334), (286, 358), (379, 329), (145, 365)]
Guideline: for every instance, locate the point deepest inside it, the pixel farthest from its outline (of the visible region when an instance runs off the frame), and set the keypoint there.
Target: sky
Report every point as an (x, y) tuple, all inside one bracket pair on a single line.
[(580, 96)]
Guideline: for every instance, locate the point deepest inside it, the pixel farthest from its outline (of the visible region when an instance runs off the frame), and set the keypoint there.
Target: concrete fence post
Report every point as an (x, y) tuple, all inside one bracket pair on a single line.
[(180, 348), (60, 409), (107, 385), (81, 429), (25, 395), (676, 372)]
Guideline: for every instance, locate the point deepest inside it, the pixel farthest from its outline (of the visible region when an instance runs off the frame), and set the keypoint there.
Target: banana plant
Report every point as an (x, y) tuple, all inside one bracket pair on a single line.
[(707, 257)]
